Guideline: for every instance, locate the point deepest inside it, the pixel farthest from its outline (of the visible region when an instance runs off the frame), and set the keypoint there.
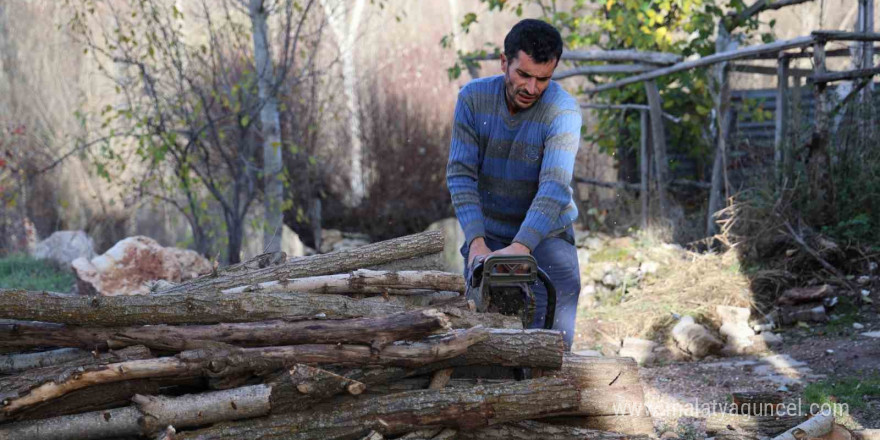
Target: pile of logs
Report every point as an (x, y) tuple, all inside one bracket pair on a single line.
[(322, 347)]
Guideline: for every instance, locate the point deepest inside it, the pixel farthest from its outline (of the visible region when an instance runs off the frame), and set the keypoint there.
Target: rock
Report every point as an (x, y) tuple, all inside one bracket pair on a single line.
[(63, 247), (733, 315), (588, 298), (872, 334), (770, 339), (735, 328), (333, 240), (801, 295), (639, 349), (126, 267), (649, 267), (858, 326), (807, 313), (612, 278), (583, 257), (588, 353), (593, 243), (695, 339), (453, 241), (669, 435)]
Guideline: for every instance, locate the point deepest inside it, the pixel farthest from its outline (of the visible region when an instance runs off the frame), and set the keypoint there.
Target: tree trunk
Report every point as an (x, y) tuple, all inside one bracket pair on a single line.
[(194, 308), (629, 424), (303, 386), (226, 362), (367, 282), (530, 430), (512, 348), (378, 331), (464, 409), (258, 262), (270, 125), (336, 262), (737, 426)]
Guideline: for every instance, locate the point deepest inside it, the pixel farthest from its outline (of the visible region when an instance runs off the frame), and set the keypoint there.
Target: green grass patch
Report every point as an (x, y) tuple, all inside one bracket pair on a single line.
[(850, 391), (24, 272), (610, 255)]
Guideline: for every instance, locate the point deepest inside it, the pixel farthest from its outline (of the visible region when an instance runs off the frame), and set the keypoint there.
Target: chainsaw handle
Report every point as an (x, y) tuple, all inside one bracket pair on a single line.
[(551, 298)]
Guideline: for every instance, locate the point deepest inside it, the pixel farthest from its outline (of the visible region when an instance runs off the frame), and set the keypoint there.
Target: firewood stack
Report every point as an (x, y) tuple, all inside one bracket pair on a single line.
[(308, 348)]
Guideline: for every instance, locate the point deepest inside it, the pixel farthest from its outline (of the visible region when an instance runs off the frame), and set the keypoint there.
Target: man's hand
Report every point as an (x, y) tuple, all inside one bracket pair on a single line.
[(476, 249), (513, 249)]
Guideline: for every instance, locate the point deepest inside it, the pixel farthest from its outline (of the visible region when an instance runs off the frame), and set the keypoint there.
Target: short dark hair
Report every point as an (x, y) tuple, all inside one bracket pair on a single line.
[(536, 38)]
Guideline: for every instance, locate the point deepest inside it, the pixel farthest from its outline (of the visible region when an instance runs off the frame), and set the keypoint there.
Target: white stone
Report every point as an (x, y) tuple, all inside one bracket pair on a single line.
[(875, 334), (649, 267), (641, 350), (858, 326), (63, 247)]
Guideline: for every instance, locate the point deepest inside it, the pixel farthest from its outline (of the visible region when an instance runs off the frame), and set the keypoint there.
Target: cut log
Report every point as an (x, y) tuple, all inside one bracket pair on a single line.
[(202, 409), (293, 390), (14, 363), (324, 264), (107, 396), (867, 434), (464, 409), (802, 295), (257, 262), (434, 261), (530, 430), (440, 378), (190, 308), (815, 427), (757, 403), (465, 319), (739, 426), (365, 281), (511, 348), (11, 386), (223, 362), (376, 330), (599, 372), (302, 386)]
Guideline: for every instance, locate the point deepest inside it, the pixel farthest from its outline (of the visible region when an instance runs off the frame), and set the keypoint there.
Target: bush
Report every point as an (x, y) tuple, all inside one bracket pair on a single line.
[(24, 272)]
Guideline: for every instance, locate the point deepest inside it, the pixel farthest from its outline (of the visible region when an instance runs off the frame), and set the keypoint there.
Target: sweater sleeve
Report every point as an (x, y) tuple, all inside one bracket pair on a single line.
[(554, 193), (462, 169)]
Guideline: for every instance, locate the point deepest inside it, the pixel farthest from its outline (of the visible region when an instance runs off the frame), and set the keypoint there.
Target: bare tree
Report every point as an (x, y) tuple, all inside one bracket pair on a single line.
[(202, 104)]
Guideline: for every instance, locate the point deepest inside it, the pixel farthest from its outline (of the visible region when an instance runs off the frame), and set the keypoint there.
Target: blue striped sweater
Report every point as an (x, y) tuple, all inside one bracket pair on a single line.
[(510, 175)]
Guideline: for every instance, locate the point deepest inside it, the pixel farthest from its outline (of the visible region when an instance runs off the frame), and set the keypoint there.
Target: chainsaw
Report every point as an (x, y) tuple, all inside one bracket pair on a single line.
[(501, 284)]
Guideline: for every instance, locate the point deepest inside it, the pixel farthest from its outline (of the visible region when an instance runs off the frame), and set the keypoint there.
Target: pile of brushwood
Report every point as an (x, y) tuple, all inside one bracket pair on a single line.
[(322, 347)]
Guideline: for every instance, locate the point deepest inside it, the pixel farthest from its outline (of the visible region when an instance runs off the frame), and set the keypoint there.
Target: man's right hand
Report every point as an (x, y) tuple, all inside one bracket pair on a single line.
[(476, 249)]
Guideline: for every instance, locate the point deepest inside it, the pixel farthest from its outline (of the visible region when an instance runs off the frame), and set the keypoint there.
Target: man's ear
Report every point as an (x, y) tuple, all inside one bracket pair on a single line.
[(503, 63)]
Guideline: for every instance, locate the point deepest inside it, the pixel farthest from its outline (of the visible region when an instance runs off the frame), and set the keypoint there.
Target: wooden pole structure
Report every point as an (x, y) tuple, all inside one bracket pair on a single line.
[(644, 195), (782, 112), (658, 138)]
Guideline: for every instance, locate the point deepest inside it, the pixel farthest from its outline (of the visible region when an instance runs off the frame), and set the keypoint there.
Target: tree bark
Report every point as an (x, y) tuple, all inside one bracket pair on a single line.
[(737, 426), (365, 281), (257, 262), (14, 384), (399, 413), (186, 308), (599, 372), (225, 362), (510, 348), (400, 248), (14, 363), (302, 386), (530, 430), (379, 331), (816, 426), (658, 138)]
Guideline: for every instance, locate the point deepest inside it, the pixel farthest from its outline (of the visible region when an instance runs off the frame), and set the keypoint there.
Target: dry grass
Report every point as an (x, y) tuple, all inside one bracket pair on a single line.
[(686, 283)]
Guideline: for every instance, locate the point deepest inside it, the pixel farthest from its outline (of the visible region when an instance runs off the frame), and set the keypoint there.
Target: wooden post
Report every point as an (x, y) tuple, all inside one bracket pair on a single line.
[(781, 115), (644, 194), (658, 138)]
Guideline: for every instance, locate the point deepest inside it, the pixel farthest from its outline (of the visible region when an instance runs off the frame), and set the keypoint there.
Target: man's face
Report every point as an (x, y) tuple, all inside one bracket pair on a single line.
[(525, 80)]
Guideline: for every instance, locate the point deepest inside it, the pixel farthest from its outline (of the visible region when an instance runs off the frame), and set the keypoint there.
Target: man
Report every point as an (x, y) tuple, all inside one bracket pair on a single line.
[(514, 142)]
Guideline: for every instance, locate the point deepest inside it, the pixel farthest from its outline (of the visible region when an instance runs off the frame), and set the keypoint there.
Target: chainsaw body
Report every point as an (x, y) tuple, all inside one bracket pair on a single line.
[(502, 284)]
